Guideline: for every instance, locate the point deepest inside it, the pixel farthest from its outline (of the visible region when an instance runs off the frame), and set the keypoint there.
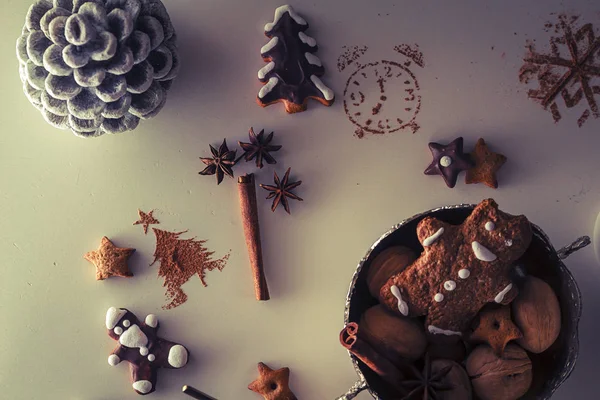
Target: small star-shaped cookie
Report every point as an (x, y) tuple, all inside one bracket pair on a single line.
[(487, 164), (146, 219), (273, 385), (494, 327), (448, 161), (110, 260)]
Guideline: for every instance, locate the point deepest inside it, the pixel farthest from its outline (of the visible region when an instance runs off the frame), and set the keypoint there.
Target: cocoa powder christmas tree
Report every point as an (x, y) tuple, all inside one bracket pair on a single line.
[(293, 72), (180, 259)]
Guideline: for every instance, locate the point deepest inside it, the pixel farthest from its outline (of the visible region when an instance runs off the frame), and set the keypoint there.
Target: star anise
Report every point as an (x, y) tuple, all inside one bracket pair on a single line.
[(222, 162), (282, 191), (259, 148), (426, 384)]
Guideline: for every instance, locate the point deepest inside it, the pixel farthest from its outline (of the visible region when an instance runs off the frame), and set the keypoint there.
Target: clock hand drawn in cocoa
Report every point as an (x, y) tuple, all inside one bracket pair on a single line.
[(382, 97)]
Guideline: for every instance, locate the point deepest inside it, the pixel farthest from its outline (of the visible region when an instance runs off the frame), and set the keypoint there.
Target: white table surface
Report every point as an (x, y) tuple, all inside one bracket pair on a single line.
[(59, 195)]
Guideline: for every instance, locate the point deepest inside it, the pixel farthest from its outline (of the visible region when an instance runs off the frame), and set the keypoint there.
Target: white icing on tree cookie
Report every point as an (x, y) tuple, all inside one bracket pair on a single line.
[(312, 59), (268, 87), (280, 12), (327, 93), (269, 46), (307, 39)]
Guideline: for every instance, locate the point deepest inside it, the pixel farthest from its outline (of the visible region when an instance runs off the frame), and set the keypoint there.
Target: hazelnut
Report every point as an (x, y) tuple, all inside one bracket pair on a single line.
[(537, 314), (397, 338), (457, 379), (390, 261), (499, 378)]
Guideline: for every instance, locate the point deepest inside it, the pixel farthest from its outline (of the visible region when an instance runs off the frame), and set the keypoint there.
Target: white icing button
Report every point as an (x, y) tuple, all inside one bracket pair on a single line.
[(178, 356), (126, 323), (144, 351), (508, 242), (449, 285), (142, 386), (438, 297), (151, 357), (445, 161), (490, 226), (113, 360), (151, 320), (464, 273), (118, 330)]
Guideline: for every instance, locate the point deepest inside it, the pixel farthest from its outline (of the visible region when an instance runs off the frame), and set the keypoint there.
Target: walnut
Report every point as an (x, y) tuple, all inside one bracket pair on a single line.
[(537, 314), (499, 378), (390, 261), (394, 337)]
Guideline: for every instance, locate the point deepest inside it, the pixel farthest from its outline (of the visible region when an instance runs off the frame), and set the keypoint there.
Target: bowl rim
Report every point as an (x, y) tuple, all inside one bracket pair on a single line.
[(575, 297)]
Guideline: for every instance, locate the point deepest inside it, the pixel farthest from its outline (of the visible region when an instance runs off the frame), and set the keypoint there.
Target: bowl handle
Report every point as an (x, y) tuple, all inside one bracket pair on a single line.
[(577, 245), (354, 390)]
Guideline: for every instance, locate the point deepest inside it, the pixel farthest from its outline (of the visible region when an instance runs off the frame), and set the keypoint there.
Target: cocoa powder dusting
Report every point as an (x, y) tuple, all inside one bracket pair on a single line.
[(350, 55), (413, 52), (180, 259), (568, 72)]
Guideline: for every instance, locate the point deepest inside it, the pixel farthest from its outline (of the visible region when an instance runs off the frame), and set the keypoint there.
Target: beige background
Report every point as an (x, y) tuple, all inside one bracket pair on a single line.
[(59, 195)]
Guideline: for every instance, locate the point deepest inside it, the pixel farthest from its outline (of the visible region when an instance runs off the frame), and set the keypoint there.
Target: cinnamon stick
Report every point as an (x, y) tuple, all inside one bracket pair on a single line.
[(351, 340), (249, 210)]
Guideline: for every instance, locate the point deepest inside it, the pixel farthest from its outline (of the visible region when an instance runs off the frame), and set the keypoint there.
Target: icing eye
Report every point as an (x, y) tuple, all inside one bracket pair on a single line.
[(490, 226), (126, 323), (118, 330)]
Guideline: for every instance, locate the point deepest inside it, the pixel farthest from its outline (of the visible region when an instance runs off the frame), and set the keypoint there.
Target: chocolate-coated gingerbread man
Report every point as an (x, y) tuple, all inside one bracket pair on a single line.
[(462, 268), (142, 348)]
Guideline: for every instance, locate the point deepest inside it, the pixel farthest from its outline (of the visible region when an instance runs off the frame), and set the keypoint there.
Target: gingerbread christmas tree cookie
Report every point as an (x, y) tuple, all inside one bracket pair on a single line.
[(462, 268), (293, 72)]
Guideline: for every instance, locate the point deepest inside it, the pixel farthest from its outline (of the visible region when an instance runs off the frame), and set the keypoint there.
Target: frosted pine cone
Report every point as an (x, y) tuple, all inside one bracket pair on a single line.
[(97, 66)]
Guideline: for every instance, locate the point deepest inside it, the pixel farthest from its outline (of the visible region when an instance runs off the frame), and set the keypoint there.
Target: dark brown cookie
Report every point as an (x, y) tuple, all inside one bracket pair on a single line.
[(292, 74), (141, 347)]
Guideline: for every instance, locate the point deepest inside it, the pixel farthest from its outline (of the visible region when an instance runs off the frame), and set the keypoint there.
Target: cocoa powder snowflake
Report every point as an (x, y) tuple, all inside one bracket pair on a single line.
[(571, 70)]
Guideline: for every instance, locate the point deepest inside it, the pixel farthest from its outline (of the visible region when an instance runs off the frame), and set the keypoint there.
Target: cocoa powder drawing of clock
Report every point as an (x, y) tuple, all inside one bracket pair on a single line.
[(382, 96)]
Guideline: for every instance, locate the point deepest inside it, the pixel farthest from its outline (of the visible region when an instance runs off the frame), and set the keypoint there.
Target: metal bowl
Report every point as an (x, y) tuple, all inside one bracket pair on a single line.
[(551, 368)]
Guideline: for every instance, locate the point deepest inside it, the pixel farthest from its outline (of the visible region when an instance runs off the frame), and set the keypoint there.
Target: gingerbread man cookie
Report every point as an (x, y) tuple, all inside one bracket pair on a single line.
[(462, 268), (142, 348)]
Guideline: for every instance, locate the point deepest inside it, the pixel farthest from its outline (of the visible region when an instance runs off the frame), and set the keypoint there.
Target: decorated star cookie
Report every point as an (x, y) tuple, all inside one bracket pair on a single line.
[(141, 347), (462, 268), (494, 327), (487, 164), (110, 260), (273, 384), (448, 161)]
